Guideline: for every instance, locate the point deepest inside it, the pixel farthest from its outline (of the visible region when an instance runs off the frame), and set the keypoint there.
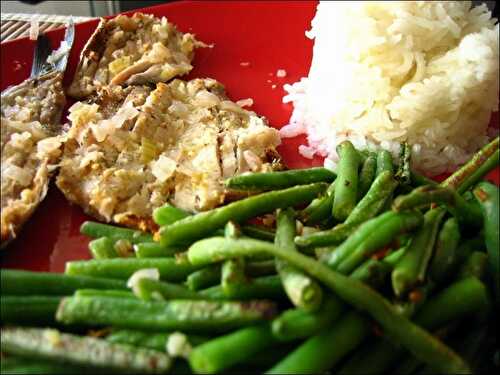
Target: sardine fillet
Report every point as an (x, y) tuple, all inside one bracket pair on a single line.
[(132, 150), (132, 51), (29, 156)]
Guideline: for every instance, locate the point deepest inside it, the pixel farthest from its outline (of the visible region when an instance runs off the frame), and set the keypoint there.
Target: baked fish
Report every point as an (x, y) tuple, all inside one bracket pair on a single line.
[(131, 150), (31, 135), (132, 51)]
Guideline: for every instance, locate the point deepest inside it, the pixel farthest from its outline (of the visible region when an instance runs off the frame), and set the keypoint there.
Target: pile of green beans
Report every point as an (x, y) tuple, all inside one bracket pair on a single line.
[(372, 269)]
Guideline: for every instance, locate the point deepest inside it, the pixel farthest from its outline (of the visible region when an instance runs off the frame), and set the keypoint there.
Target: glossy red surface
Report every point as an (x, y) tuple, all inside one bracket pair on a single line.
[(267, 35)]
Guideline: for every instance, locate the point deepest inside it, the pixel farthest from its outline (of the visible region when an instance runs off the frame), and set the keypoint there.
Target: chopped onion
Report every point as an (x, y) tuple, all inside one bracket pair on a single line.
[(281, 73), (158, 53), (48, 146), (124, 114), (178, 345), (245, 102), (179, 109), (53, 336), (163, 168), (252, 160), (83, 113), (21, 140), (124, 248), (149, 150), (230, 106), (299, 227), (90, 157), (34, 127), (102, 129), (20, 175), (145, 273), (205, 98)]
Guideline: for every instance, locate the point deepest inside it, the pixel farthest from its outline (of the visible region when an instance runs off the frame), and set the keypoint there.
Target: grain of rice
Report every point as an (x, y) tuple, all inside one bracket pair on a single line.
[(425, 72)]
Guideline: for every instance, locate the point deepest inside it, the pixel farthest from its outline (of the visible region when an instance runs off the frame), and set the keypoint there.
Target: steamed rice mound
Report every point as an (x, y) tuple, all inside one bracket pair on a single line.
[(382, 73)]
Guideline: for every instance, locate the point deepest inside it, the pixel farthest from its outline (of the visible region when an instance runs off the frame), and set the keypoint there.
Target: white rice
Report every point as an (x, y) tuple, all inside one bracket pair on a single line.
[(425, 72)]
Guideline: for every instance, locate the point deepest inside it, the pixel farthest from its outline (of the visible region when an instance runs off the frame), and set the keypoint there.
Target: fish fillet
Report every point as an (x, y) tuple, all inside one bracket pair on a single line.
[(133, 50), (131, 150)]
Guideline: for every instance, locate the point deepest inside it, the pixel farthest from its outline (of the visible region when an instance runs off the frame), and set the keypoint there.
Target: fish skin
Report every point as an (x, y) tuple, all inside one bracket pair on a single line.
[(155, 49), (31, 137)]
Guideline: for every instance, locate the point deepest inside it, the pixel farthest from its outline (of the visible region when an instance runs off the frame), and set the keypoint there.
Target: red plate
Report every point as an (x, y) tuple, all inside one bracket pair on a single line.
[(267, 35)]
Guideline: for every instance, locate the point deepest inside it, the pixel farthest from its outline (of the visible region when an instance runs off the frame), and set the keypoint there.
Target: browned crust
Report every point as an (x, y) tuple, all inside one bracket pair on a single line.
[(15, 215), (89, 60)]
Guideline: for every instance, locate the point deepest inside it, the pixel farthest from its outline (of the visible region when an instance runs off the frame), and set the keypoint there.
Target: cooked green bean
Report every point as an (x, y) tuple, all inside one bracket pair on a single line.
[(423, 345), (372, 271), (420, 180), (384, 162), (374, 200), (320, 208), (232, 230), (149, 290), (168, 214), (232, 276), (22, 283), (409, 366), (97, 230), (466, 212), (204, 278), (226, 351), (488, 196), (461, 298), (475, 265), (202, 224), (322, 351), (367, 175), (28, 310), (104, 293), (202, 316), (28, 366), (480, 172), (371, 236), (412, 268), (296, 323), (170, 269), (148, 340), (279, 180), (265, 358), (59, 347), (103, 248), (403, 173), (303, 291), (260, 287), (460, 176), (445, 251), (258, 232), (155, 250), (260, 268), (232, 270), (330, 237), (346, 187)]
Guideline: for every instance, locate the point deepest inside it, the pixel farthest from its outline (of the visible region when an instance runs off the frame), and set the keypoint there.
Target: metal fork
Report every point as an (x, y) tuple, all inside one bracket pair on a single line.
[(44, 61)]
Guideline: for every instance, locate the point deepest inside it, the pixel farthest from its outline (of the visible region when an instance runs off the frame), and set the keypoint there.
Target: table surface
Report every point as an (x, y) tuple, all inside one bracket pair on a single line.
[(17, 25)]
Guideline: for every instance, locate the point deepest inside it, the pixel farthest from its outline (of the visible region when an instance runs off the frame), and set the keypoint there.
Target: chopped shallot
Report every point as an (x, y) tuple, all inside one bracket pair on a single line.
[(245, 102), (163, 168), (281, 73), (145, 273)]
